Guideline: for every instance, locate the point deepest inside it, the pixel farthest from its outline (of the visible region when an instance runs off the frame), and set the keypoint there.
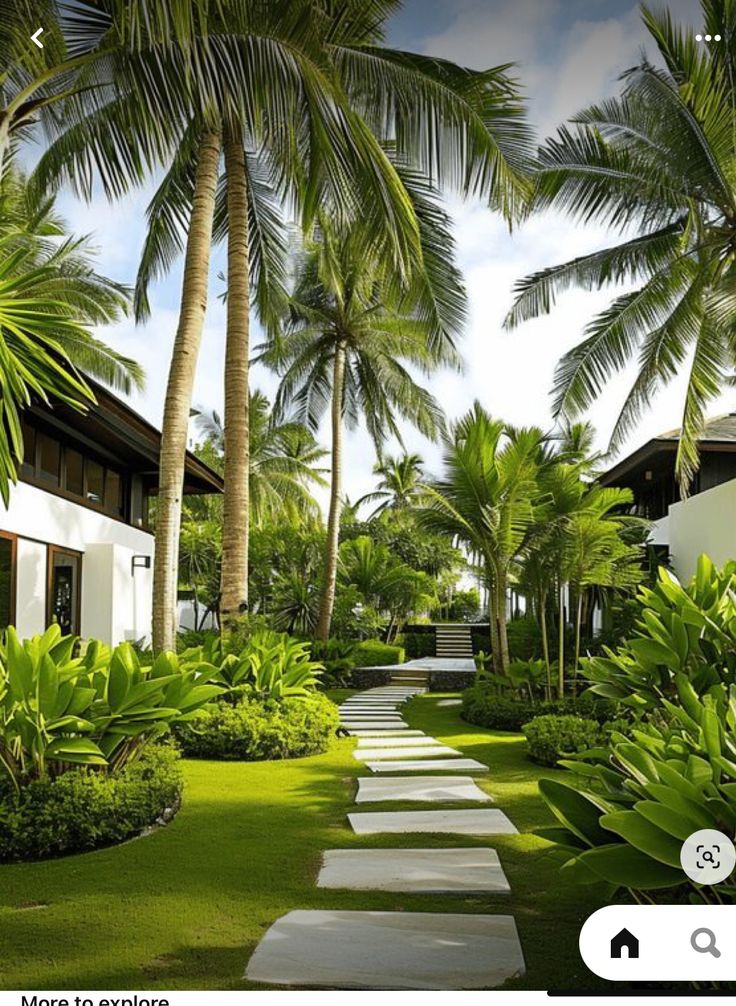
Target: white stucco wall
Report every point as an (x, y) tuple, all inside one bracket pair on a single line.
[(703, 523), (116, 601), (659, 533)]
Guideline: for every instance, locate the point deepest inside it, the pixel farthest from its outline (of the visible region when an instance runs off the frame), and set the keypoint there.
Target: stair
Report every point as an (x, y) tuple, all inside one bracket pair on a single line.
[(410, 678), (453, 641)]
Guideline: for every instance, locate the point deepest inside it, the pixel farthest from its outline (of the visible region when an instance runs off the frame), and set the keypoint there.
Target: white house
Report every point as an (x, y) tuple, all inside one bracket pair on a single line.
[(75, 547), (706, 520)]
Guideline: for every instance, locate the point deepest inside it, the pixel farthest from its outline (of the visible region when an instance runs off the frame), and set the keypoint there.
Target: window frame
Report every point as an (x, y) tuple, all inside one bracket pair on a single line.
[(51, 551), (13, 539)]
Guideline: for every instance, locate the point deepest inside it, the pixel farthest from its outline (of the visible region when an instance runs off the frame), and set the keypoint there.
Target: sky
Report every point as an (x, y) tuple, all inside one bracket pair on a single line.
[(567, 54)]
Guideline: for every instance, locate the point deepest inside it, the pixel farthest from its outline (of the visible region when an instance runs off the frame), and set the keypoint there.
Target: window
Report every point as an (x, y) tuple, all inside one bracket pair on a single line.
[(7, 580), (74, 464), (95, 481), (53, 465), (49, 459)]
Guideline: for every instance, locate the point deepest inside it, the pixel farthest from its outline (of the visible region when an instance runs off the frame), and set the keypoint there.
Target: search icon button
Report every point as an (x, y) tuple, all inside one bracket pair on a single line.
[(707, 947)]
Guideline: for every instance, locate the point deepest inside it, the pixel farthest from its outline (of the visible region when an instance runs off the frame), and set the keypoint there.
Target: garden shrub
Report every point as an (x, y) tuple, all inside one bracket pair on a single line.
[(374, 653), (626, 806), (484, 706), (551, 737), (418, 644), (82, 810), (256, 730), (525, 638), (337, 656), (481, 641)]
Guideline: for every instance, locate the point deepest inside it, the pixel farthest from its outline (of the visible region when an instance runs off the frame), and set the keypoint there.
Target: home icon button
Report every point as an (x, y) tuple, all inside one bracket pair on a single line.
[(625, 941)]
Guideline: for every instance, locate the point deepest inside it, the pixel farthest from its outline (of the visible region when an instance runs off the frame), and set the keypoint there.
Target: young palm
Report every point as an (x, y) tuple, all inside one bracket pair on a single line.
[(348, 340), (489, 499), (659, 160), (49, 296), (400, 484), (284, 461)]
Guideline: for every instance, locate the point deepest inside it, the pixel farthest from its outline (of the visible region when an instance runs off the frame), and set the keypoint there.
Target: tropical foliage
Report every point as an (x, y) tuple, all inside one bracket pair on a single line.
[(628, 805)]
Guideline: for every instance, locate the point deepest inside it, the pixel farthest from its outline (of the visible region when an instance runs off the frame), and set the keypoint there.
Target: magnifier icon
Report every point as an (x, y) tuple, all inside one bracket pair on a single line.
[(709, 947)]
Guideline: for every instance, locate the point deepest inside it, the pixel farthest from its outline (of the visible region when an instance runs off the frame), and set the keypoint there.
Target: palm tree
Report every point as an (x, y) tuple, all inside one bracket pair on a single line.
[(284, 461), (347, 340), (488, 498), (658, 159), (307, 91), (49, 296), (400, 485)]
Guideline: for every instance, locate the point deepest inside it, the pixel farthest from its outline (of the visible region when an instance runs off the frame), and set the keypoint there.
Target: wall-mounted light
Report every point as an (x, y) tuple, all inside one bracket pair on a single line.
[(140, 562), (648, 475)]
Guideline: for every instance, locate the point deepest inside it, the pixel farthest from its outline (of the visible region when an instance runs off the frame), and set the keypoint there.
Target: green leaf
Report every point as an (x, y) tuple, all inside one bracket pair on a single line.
[(643, 835), (627, 867), (575, 810)]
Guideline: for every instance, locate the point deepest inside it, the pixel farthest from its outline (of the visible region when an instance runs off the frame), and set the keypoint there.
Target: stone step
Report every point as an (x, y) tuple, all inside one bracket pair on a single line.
[(425, 788), (388, 950), (387, 733), (467, 821), (422, 871), (428, 765), (429, 751), (374, 725), (419, 740)]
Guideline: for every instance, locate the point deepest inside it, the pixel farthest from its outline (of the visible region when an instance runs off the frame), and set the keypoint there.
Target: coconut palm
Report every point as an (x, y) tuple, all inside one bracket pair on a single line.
[(400, 484), (488, 498), (49, 296), (306, 92), (284, 461), (347, 341), (657, 160)]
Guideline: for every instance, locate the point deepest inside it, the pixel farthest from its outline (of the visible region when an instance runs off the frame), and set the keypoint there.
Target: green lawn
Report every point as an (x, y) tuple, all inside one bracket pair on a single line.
[(184, 908)]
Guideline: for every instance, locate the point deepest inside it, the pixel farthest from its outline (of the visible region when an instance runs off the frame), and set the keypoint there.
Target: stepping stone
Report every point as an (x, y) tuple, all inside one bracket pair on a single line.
[(416, 752), (428, 789), (371, 710), (441, 765), (387, 733), (425, 871), (468, 821), (374, 725), (449, 702), (388, 950), (421, 740)]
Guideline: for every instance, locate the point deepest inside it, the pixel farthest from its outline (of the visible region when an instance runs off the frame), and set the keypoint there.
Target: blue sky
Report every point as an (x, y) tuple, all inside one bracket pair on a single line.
[(568, 52)]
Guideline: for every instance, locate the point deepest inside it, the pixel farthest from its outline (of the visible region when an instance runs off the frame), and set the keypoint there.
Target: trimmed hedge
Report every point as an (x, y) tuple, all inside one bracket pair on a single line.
[(418, 644), (82, 810), (550, 738), (254, 730), (374, 653), (486, 708)]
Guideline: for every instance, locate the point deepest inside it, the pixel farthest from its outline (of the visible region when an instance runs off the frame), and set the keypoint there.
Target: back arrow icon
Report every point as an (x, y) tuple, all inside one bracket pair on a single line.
[(34, 38)]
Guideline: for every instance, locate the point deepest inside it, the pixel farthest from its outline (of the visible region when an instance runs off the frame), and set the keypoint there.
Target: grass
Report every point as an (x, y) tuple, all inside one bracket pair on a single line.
[(185, 907)]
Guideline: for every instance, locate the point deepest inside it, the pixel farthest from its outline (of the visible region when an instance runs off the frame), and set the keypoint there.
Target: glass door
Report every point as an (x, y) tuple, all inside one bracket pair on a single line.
[(64, 593)]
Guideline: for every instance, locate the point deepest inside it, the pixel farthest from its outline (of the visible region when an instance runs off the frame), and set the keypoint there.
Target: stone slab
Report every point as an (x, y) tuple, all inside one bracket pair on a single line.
[(388, 733), (384, 707), (468, 821), (388, 950), (419, 740), (428, 765), (374, 725), (445, 703), (401, 752), (424, 871), (427, 789)]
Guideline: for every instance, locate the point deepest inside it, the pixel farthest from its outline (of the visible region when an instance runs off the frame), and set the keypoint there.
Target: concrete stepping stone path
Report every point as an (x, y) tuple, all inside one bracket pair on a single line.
[(423, 871), (387, 754), (485, 821), (428, 789), (430, 765), (374, 724), (419, 740), (388, 950), (388, 734)]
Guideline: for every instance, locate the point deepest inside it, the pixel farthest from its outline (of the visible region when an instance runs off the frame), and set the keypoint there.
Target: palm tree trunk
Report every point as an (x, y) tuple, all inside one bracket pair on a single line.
[(561, 644), (327, 602), (545, 642), (578, 624), (503, 639), (179, 393), (234, 577)]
